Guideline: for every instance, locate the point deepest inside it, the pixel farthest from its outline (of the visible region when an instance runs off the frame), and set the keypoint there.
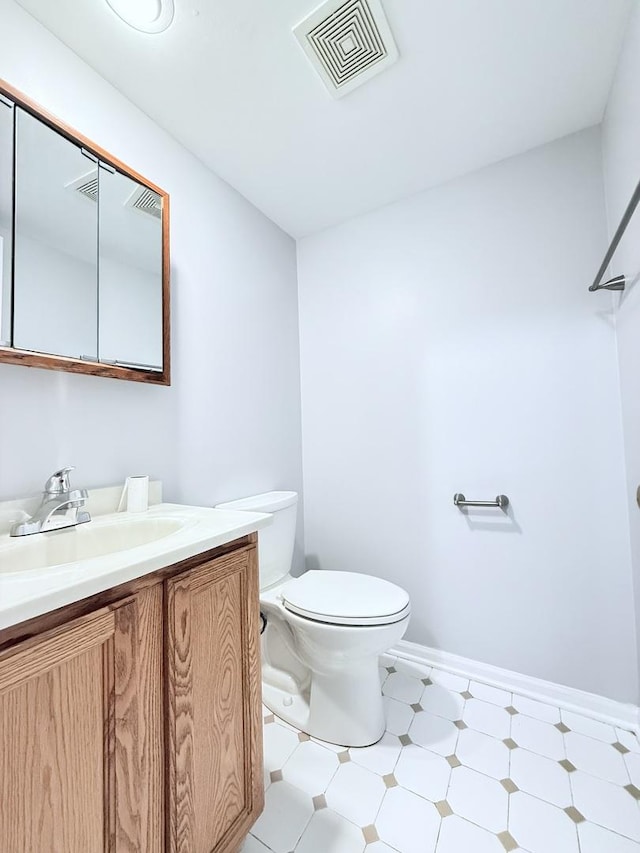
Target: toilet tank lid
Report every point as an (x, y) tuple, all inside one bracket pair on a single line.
[(266, 502), (344, 595)]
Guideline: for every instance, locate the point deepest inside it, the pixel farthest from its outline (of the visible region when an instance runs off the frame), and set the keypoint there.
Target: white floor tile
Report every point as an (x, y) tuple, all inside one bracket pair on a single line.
[(494, 695), (460, 836), (279, 744), (407, 822), (356, 794), (403, 687), (252, 845), (586, 726), (596, 757), (538, 710), (542, 777), (423, 772), (539, 827), (399, 716), (449, 680), (595, 839), (478, 798), (387, 660), (443, 702), (287, 812), (487, 718), (481, 752), (330, 833), (537, 736), (606, 804), (310, 768), (379, 847), (434, 733), (628, 739), (632, 763), (381, 758), (334, 747), (415, 670), (384, 674)]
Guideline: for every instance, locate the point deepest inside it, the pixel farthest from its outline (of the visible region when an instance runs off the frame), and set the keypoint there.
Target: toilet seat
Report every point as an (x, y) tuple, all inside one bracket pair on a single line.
[(345, 598)]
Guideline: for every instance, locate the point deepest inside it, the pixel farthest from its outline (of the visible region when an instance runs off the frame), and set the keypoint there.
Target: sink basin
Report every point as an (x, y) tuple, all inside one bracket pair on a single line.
[(84, 542)]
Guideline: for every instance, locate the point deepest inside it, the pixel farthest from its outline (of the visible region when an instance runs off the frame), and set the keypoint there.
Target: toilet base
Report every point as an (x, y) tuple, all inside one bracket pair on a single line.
[(345, 709)]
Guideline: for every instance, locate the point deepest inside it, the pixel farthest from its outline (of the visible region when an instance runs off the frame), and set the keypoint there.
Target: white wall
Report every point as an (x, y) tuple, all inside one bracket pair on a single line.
[(230, 423), (449, 343), (55, 301), (621, 150)]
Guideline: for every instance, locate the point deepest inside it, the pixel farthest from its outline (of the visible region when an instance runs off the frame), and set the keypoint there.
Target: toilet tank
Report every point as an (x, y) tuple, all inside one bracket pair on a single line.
[(275, 542)]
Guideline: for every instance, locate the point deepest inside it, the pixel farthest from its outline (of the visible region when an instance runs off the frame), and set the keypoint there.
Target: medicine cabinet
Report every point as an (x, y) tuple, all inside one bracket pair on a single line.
[(84, 253)]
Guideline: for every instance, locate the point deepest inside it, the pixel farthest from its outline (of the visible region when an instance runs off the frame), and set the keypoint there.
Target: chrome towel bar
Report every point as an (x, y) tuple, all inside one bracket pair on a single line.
[(460, 501), (619, 282)]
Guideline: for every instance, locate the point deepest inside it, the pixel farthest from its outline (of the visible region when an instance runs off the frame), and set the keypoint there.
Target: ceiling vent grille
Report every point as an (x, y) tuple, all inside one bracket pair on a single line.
[(86, 185), (347, 43), (146, 201)]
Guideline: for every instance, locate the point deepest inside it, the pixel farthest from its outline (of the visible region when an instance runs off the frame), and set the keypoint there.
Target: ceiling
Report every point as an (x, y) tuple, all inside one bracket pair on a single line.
[(477, 81)]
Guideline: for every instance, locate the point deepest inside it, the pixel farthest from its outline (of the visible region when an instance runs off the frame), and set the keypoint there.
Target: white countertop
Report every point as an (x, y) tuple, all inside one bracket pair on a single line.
[(34, 591)]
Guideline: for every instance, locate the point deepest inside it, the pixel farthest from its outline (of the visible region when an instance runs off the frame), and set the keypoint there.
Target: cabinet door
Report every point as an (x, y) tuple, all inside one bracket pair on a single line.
[(81, 736), (214, 692)]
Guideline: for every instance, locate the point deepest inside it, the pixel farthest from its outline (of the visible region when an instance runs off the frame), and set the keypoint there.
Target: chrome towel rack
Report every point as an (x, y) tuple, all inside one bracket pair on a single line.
[(619, 281), (460, 501)]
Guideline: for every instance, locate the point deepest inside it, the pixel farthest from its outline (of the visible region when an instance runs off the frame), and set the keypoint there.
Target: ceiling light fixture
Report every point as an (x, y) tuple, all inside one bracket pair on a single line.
[(147, 16)]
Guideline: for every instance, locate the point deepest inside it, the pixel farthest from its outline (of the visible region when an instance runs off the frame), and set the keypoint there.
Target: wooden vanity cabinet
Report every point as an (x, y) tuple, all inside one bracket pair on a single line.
[(136, 725)]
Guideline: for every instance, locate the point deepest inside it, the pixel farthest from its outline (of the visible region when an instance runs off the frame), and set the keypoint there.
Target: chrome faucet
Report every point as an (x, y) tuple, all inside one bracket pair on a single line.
[(59, 507)]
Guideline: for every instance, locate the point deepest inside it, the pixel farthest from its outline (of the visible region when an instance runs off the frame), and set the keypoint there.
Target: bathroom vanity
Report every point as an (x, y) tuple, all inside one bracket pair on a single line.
[(130, 718)]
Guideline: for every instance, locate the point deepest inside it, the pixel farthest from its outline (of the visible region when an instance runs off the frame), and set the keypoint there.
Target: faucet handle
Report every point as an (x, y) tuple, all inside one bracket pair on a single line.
[(58, 482)]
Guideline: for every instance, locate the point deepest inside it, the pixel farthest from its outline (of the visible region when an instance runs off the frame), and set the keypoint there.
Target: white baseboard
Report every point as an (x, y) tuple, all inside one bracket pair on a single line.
[(590, 704)]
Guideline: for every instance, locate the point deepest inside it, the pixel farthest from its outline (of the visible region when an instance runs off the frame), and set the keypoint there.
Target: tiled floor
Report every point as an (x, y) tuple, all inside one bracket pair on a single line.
[(462, 768)]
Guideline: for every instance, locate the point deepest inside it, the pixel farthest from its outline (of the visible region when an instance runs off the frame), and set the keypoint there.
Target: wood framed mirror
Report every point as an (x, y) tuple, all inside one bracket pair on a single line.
[(84, 253)]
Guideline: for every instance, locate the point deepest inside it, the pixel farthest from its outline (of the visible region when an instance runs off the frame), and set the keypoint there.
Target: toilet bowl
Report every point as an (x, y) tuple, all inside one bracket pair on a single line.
[(324, 632)]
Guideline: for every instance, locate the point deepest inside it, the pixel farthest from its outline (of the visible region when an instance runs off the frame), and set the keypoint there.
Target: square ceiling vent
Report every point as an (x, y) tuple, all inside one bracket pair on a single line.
[(347, 43)]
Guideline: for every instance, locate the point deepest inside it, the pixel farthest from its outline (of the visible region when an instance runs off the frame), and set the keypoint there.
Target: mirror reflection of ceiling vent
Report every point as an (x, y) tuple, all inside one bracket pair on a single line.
[(86, 185), (348, 42), (146, 201)]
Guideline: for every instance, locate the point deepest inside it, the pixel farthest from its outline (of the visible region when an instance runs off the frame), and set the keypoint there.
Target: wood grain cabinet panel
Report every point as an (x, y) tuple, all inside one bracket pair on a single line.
[(81, 735), (214, 720), (134, 725)]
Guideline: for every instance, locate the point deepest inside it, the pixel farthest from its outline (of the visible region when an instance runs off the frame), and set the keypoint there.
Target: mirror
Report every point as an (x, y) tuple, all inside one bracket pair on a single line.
[(130, 284), (84, 260), (6, 217), (55, 303)]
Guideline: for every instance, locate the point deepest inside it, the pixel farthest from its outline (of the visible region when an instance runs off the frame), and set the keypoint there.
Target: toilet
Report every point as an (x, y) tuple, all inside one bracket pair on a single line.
[(324, 632)]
